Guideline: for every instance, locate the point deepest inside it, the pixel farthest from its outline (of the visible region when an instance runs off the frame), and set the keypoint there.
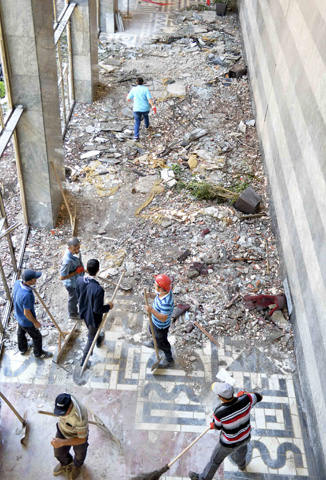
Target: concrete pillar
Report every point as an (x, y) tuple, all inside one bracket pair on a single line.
[(84, 50), (28, 29), (107, 10)]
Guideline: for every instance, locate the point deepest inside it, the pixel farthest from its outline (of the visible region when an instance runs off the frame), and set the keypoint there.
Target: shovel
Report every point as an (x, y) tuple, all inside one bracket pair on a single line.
[(155, 475), (125, 288), (97, 421), (78, 372), (23, 431), (155, 365)]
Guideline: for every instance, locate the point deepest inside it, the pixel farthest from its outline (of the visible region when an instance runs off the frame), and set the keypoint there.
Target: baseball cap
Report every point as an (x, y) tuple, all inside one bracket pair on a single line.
[(30, 274), (225, 390), (62, 403)]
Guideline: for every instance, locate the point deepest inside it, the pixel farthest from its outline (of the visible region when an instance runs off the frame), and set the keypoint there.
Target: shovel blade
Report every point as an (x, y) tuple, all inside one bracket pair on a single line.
[(155, 365), (81, 379)]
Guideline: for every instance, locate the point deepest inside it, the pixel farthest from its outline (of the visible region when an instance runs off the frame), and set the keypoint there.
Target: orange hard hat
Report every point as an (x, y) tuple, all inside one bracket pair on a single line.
[(164, 282)]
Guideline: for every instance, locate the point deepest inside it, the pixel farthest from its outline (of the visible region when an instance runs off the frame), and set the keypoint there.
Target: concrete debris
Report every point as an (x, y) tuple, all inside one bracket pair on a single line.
[(198, 113)]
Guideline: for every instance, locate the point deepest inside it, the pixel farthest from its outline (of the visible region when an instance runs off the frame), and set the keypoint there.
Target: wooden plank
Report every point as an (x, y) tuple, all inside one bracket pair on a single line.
[(63, 22), (212, 339), (68, 337), (10, 127)]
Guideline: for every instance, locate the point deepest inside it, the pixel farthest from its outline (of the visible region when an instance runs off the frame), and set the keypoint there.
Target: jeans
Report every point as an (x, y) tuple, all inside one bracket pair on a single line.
[(35, 334), (62, 454), (238, 455), (161, 335), (72, 302), (138, 118)]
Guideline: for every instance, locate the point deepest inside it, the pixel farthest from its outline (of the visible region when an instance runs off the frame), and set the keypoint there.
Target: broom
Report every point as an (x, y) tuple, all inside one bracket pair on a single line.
[(155, 475)]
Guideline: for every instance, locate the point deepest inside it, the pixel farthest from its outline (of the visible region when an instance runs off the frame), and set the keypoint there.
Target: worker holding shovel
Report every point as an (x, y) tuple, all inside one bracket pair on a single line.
[(91, 304), (161, 313), (24, 301), (72, 431), (232, 417)]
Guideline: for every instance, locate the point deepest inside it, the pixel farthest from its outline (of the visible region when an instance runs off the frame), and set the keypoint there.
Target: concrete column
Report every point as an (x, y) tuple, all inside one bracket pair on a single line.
[(28, 29), (107, 10), (84, 50)]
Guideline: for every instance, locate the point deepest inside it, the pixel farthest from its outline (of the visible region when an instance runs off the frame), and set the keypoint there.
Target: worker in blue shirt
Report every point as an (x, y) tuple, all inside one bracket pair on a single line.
[(161, 312), (91, 304), (72, 268), (142, 103), (24, 301)]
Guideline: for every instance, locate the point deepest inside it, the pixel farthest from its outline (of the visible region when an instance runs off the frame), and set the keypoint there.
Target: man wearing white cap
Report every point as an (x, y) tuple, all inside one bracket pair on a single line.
[(233, 419)]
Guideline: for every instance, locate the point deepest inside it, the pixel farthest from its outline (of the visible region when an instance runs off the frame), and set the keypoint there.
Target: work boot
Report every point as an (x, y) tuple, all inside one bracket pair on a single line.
[(29, 346), (75, 473), (100, 339), (44, 354), (166, 363), (193, 476), (149, 344), (61, 468), (243, 468)]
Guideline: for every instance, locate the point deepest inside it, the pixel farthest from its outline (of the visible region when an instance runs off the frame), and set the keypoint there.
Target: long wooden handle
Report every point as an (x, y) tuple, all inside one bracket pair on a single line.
[(189, 446), (49, 313), (212, 339), (43, 412), (12, 408), (152, 328), (101, 326)]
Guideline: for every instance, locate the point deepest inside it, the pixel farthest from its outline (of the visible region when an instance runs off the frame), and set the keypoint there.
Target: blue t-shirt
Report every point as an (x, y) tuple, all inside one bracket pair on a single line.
[(140, 94), (165, 306), (23, 299), (68, 265)]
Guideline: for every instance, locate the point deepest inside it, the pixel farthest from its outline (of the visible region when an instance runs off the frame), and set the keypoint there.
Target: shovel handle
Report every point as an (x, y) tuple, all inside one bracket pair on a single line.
[(49, 313), (189, 446), (13, 408), (152, 328), (43, 412), (101, 326)]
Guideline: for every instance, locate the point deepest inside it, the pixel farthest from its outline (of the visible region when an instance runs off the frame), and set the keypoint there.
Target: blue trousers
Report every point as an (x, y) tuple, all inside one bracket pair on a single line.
[(138, 118)]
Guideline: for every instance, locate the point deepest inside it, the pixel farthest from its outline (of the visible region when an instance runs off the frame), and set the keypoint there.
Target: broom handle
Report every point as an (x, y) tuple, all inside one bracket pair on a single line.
[(189, 446), (101, 326), (49, 313), (42, 412), (152, 328)]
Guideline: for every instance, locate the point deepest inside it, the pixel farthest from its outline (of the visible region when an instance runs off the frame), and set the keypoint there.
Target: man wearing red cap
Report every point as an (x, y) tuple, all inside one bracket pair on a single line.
[(161, 312), (232, 417)]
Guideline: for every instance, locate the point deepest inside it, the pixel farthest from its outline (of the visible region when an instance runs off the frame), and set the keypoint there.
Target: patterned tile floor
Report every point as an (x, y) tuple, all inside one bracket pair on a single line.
[(165, 411)]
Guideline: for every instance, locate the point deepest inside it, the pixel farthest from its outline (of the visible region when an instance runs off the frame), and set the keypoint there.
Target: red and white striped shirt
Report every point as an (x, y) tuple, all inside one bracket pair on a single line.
[(233, 419)]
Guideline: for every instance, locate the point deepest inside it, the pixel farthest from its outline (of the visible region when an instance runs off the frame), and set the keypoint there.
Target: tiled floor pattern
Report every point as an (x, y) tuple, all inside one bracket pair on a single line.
[(177, 403)]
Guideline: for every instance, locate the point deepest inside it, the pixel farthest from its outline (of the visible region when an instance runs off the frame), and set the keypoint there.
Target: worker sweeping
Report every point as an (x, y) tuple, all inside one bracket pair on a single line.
[(161, 312), (142, 103), (72, 431), (91, 304), (232, 417), (72, 268), (24, 301)]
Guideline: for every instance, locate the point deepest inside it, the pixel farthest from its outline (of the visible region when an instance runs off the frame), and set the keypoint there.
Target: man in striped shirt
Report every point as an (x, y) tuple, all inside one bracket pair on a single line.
[(233, 419), (161, 312)]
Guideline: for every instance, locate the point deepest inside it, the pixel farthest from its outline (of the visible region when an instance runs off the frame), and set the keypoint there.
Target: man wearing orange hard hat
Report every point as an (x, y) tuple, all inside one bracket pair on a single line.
[(161, 312)]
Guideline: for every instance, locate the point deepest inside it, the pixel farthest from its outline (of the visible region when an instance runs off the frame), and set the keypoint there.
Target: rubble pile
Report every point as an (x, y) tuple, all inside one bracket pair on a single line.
[(175, 188)]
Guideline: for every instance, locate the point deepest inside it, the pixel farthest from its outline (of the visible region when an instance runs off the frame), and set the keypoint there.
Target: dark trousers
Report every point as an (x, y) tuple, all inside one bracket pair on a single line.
[(62, 454), (161, 335), (138, 116), (72, 301), (238, 455), (90, 337), (35, 334)]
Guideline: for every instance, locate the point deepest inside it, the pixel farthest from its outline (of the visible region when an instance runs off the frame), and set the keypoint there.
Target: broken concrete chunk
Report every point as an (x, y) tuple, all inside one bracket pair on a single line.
[(237, 71), (92, 153), (251, 123), (176, 89), (242, 127), (145, 184), (192, 162), (194, 135), (248, 201), (127, 112), (168, 177), (90, 129)]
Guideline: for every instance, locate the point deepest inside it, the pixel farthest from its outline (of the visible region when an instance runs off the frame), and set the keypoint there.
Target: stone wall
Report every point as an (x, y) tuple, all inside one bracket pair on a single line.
[(285, 45)]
